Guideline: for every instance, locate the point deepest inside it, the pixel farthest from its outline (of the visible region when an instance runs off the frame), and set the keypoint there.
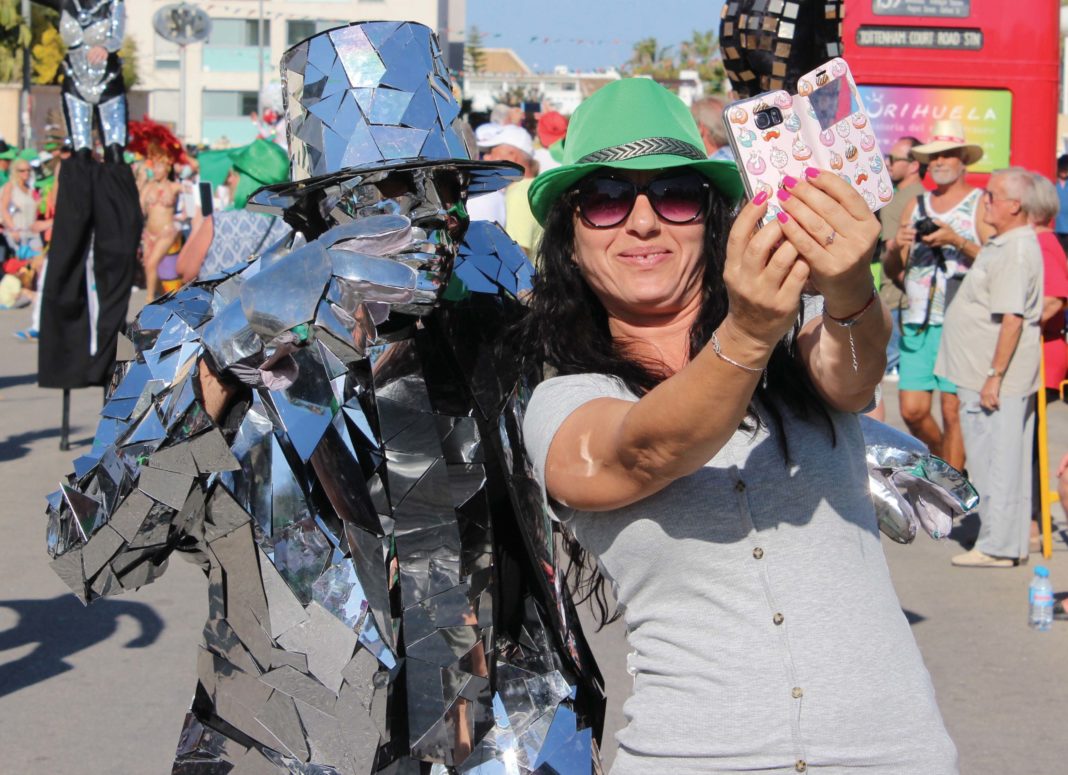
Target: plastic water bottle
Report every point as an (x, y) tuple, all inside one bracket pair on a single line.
[(1040, 593)]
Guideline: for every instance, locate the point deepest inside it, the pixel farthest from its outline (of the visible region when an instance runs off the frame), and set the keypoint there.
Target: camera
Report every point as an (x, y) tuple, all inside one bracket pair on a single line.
[(925, 226), (767, 118)]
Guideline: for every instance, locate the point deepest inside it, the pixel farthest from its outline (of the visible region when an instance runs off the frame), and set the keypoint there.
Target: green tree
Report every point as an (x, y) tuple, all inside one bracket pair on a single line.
[(128, 52), (47, 56), (14, 37), (649, 58), (474, 51), (699, 49)]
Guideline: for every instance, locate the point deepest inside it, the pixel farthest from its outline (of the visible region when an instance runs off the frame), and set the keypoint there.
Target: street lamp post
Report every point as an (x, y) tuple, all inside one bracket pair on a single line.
[(26, 131), (259, 60)]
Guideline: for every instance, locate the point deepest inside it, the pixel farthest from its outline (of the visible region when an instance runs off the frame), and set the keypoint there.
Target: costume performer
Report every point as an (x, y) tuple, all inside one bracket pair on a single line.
[(98, 218), (332, 432), (158, 196)]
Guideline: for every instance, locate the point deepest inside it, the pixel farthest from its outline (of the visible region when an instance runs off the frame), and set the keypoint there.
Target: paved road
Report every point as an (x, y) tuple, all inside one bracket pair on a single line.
[(103, 690)]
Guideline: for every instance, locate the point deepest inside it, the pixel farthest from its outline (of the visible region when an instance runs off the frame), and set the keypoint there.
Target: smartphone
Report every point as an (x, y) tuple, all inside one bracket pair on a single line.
[(824, 125), (205, 199)]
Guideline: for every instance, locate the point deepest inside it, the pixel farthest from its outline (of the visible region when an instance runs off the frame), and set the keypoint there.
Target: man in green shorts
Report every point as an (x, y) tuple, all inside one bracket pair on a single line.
[(934, 265)]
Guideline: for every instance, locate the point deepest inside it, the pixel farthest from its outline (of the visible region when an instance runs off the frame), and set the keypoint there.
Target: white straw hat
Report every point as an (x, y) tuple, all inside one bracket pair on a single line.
[(947, 135)]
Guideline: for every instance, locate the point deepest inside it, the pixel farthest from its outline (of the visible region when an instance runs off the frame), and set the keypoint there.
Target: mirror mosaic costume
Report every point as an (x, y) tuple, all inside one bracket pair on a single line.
[(384, 592), (90, 88)]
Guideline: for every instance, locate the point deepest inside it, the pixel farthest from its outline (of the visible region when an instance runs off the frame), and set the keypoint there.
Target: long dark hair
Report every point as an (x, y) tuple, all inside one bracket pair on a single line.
[(567, 332)]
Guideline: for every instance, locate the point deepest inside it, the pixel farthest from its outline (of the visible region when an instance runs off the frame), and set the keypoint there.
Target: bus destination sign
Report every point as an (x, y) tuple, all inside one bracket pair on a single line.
[(890, 36)]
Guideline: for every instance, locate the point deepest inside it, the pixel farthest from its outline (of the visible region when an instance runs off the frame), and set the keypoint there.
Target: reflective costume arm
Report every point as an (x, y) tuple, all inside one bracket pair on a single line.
[(116, 31), (139, 493)]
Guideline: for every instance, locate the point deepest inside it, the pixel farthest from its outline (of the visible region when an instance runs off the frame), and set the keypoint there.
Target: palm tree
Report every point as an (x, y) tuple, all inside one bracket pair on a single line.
[(700, 48), (645, 53)]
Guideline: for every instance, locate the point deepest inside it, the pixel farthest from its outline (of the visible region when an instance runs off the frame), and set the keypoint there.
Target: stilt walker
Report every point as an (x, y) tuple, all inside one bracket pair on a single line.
[(93, 252)]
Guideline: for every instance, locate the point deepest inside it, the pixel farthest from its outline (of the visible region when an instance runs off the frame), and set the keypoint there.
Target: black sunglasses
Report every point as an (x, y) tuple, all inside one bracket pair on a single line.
[(676, 197)]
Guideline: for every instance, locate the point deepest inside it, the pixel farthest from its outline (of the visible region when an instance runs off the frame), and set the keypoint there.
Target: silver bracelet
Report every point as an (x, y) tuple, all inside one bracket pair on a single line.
[(718, 350), (849, 322)]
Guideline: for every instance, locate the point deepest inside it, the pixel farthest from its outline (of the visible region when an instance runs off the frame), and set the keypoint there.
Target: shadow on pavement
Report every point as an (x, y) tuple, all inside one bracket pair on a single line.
[(61, 627), (14, 447), (11, 380), (966, 532)]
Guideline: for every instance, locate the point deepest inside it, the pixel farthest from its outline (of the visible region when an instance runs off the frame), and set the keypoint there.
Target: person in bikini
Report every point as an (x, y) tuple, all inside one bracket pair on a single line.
[(159, 196)]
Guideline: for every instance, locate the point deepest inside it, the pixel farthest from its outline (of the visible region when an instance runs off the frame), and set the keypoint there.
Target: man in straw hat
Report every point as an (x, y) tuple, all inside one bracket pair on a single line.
[(940, 235), (332, 433)]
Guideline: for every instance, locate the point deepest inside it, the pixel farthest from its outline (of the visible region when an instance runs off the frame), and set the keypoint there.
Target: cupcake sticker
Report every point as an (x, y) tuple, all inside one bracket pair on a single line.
[(746, 137), (851, 153), (836, 161), (737, 116), (792, 122), (859, 120), (779, 159), (869, 197), (867, 142), (827, 137), (784, 100), (843, 128), (876, 163), (885, 192)]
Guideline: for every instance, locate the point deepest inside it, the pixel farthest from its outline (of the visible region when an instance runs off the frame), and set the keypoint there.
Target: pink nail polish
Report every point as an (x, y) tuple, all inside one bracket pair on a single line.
[(811, 172), (783, 194), (760, 198), (783, 217), (788, 181)]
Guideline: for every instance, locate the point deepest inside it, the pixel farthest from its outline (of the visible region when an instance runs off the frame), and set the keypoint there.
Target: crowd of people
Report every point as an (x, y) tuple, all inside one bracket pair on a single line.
[(188, 230), (976, 280)]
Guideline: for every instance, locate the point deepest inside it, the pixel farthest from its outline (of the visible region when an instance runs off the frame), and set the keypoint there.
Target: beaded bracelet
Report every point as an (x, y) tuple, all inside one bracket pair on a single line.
[(851, 320), (718, 350)]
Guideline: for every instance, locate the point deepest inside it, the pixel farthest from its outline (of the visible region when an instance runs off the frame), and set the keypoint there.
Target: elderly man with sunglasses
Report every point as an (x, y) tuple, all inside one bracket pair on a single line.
[(991, 352), (940, 235)]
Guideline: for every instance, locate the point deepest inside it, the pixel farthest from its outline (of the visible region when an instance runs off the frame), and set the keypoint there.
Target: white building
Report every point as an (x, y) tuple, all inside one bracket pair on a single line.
[(503, 72), (222, 75)]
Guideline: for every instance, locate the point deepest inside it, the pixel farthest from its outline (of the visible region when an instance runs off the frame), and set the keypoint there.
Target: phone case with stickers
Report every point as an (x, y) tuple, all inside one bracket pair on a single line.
[(824, 125)]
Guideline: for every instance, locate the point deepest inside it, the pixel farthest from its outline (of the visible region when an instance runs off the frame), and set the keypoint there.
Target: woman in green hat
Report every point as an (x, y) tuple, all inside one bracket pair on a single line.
[(700, 444), (231, 237)]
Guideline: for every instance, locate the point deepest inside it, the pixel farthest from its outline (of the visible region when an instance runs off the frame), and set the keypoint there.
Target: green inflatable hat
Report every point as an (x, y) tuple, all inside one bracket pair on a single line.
[(260, 163), (630, 124)]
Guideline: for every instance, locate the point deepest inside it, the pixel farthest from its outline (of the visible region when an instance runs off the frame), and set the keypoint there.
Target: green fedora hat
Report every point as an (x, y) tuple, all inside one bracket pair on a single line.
[(630, 124), (260, 163)]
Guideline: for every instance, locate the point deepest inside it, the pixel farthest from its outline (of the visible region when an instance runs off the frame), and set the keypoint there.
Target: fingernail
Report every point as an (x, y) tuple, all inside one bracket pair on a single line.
[(783, 217), (811, 172), (760, 198), (783, 194), (788, 181)]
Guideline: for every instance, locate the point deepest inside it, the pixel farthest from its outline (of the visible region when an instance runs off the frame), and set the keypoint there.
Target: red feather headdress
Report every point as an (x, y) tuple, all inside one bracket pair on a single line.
[(150, 138)]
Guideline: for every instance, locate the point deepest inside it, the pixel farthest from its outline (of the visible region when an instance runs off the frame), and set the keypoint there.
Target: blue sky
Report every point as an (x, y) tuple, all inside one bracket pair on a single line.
[(586, 34)]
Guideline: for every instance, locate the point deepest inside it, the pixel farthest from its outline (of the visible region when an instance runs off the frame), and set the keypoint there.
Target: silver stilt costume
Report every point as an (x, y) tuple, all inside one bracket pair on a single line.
[(93, 90)]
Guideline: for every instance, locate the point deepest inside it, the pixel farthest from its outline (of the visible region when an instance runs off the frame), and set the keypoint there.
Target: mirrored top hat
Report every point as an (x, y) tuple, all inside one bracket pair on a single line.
[(370, 96)]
